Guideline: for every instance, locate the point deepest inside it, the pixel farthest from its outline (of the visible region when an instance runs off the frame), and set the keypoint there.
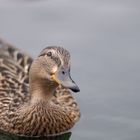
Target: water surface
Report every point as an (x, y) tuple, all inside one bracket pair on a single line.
[(104, 40)]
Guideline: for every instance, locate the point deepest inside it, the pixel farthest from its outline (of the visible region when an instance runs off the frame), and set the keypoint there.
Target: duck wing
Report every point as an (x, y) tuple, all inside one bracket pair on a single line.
[(14, 77)]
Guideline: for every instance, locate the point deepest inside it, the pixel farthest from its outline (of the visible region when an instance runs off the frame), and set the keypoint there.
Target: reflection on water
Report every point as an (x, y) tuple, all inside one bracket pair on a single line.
[(5, 136)]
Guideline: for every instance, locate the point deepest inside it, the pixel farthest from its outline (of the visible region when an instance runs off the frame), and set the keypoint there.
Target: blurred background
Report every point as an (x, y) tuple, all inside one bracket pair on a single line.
[(103, 37)]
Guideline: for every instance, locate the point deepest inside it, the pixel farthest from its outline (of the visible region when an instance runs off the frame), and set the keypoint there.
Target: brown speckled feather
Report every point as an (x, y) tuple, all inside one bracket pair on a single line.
[(17, 114)]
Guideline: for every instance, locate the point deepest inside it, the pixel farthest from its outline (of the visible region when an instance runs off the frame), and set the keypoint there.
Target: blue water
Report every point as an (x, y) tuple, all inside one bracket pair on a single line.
[(104, 40)]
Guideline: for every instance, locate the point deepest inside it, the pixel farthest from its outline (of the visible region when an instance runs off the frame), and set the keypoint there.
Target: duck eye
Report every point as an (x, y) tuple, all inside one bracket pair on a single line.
[(63, 72), (49, 54)]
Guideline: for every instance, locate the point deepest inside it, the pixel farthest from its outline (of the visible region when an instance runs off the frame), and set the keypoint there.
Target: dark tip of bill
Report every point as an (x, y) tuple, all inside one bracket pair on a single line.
[(75, 89)]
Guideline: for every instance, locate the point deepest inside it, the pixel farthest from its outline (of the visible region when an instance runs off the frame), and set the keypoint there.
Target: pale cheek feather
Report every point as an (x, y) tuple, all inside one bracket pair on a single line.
[(54, 69)]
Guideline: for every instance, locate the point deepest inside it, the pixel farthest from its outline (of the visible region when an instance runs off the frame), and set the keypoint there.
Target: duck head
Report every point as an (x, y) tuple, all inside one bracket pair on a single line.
[(53, 65)]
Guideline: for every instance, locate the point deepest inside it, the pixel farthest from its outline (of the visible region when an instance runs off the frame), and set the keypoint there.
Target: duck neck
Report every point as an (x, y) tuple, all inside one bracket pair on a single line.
[(41, 90)]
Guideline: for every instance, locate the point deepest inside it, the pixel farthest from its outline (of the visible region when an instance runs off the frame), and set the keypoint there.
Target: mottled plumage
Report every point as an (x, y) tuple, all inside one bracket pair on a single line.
[(34, 104)]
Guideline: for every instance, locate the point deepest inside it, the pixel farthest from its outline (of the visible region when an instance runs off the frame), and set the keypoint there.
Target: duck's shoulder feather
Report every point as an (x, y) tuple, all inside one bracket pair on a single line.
[(14, 83)]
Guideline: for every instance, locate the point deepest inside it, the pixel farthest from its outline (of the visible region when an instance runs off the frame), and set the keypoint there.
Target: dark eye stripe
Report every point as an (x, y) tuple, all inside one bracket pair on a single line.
[(43, 54), (57, 60)]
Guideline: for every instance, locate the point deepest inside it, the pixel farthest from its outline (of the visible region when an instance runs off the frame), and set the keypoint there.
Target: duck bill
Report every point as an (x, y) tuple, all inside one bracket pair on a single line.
[(63, 77)]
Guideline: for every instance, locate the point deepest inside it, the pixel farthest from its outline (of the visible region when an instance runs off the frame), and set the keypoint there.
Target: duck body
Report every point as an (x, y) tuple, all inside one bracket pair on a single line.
[(32, 103)]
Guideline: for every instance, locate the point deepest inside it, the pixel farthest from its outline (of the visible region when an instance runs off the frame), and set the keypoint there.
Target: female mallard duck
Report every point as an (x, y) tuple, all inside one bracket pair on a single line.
[(42, 105)]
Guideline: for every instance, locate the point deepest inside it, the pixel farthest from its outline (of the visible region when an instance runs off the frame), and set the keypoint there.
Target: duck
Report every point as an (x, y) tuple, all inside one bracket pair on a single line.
[(36, 95)]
